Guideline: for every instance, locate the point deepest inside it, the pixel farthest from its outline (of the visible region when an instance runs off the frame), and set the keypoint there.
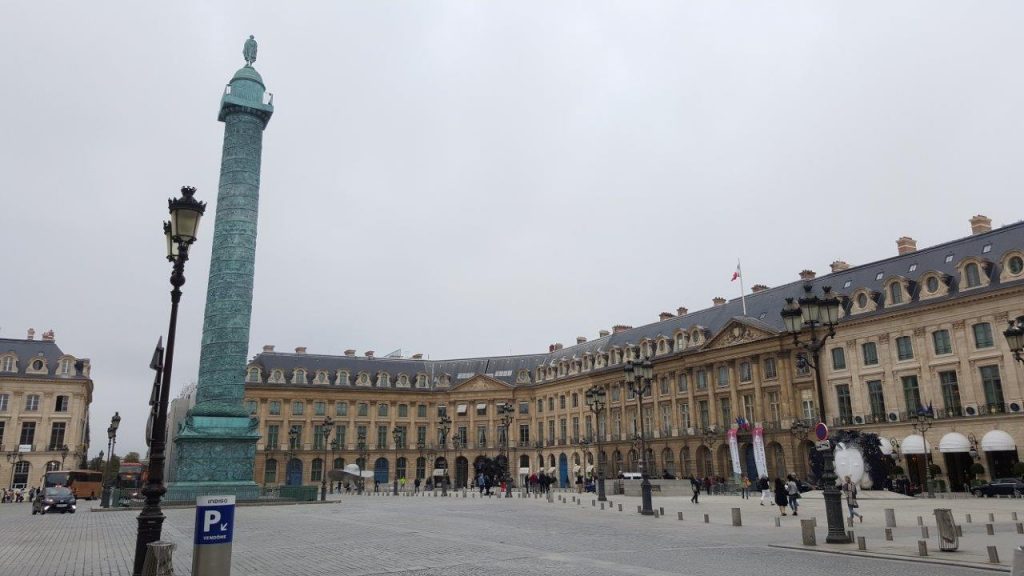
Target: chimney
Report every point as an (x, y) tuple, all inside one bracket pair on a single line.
[(758, 288), (581, 340), (369, 353), (807, 274), (551, 347), (350, 352), (839, 266), (603, 333), (48, 336), (31, 333), (906, 245), (417, 356), (268, 348), (718, 300), (558, 345), (620, 328), (300, 349), (681, 311), (665, 316), (981, 224)]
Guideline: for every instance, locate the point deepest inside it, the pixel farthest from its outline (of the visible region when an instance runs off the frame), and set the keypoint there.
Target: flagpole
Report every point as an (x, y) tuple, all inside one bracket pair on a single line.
[(743, 291)]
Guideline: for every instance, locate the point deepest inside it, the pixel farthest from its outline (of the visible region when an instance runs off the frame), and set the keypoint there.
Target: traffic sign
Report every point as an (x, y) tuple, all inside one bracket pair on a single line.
[(215, 519), (821, 431)]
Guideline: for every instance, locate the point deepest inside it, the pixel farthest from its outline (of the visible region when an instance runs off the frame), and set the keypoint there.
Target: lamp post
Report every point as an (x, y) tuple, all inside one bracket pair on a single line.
[(364, 457), (1015, 338), (396, 434), (115, 421), (13, 457), (638, 378), (596, 400), (325, 432), (64, 450), (444, 426), (421, 449), (922, 423), (506, 412), (820, 315), (268, 453), (179, 233), (335, 447)]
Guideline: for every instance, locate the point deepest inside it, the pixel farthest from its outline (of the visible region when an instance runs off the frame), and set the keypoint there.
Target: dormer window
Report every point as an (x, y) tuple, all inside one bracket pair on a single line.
[(321, 377), (403, 381), (277, 377), (9, 364), (38, 365), (65, 367), (299, 376), (895, 293), (253, 375), (421, 380), (383, 380), (342, 378), (972, 275), (932, 284), (364, 379), (1015, 264)]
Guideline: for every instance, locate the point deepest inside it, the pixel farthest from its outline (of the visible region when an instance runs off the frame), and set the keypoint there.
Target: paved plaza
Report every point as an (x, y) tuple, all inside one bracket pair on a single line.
[(355, 535)]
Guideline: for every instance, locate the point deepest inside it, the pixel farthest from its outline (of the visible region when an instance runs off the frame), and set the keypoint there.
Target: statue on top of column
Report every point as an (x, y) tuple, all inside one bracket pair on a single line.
[(249, 50)]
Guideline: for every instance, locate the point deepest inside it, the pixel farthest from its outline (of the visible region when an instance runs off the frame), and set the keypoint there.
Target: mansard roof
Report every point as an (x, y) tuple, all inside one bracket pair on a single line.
[(28, 350), (762, 311)]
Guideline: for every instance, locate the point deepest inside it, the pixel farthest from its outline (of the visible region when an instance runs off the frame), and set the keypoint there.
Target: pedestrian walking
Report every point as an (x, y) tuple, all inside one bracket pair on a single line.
[(416, 486), (850, 490), (764, 485), (695, 486), (781, 496), (793, 492), (745, 488)]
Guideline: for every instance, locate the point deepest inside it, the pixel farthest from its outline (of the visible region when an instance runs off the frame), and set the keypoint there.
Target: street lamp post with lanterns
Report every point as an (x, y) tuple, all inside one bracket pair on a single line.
[(443, 427), (819, 315), (1015, 338), (506, 413), (596, 400), (335, 447), (638, 379), (64, 450), (363, 449), (396, 434), (115, 421), (325, 431), (922, 423)]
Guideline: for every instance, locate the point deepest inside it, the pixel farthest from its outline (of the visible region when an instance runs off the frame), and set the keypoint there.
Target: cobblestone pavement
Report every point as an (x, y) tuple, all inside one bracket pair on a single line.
[(453, 536)]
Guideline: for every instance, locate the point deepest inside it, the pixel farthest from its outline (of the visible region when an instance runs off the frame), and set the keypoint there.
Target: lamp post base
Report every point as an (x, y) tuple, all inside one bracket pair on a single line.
[(600, 489), (833, 503), (323, 491), (105, 497), (645, 491), (394, 491)]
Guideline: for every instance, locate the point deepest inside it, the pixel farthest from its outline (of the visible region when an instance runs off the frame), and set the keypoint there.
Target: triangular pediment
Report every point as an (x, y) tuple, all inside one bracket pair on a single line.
[(741, 330), (482, 383)]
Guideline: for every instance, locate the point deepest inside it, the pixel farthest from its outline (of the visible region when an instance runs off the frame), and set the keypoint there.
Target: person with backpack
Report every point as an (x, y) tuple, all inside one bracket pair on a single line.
[(695, 485), (850, 490)]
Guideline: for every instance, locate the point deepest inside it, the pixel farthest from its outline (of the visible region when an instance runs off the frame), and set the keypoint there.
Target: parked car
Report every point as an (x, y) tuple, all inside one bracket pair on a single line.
[(54, 499), (1000, 486)]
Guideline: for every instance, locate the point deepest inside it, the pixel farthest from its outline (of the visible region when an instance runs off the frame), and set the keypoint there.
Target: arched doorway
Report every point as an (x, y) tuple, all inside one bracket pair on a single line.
[(339, 464), (524, 461), (617, 456), (705, 466), (293, 474), (52, 466), (270, 472), (440, 467), (421, 468), (400, 465), (806, 449), (685, 462), (634, 461), (380, 470), (563, 470), (668, 461), (461, 472), (749, 463)]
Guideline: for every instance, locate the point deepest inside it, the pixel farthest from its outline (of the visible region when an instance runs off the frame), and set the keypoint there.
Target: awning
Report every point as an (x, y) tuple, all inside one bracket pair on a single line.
[(481, 406), (914, 444), (997, 441), (524, 471), (438, 472), (954, 442), (885, 445), (461, 409)]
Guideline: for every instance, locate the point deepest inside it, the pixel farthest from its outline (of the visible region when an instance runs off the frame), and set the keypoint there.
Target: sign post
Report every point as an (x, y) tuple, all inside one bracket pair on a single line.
[(215, 525)]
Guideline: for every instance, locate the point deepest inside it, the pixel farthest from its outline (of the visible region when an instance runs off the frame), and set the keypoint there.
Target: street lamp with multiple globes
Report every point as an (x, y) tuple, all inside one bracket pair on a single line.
[(115, 421), (638, 379), (820, 315), (64, 450), (506, 413), (922, 423), (363, 449), (325, 432), (1015, 338), (335, 447), (596, 401), (396, 434), (443, 427)]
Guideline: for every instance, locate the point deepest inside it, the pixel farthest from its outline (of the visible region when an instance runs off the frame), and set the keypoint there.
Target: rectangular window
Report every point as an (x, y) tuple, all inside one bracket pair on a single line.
[(774, 407), (524, 435), (993, 386), (726, 409), (524, 407), (663, 387), (319, 408), (630, 393), (318, 437), (723, 376), (616, 394), (666, 419), (904, 348), (561, 402), (62, 404), (540, 405), (28, 433), (421, 411), (911, 393), (810, 414), (57, 435), (382, 410), (31, 402), (382, 437), (562, 426), (704, 413), (838, 359), (481, 409), (298, 407), (803, 367), (360, 435), (421, 435), (748, 408), (702, 379), (403, 410), (362, 409), (340, 433), (870, 353), (746, 374), (684, 416), (575, 429), (575, 400), (684, 383), (3, 426), (273, 432), (341, 409), (845, 406), (940, 338), (551, 431), (274, 408), (983, 335), (770, 371), (877, 399), (551, 404), (442, 411), (4, 399), (295, 440), (950, 392)]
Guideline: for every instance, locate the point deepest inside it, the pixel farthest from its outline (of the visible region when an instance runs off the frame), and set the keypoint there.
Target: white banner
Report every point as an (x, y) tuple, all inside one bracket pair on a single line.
[(734, 451), (759, 459)]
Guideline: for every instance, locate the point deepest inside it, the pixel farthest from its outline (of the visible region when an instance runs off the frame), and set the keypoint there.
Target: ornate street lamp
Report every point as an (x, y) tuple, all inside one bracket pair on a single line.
[(364, 457), (397, 436), (64, 450), (1015, 338), (444, 426), (506, 412), (596, 401), (638, 379), (335, 447), (820, 315), (325, 431), (268, 453), (115, 421), (923, 421)]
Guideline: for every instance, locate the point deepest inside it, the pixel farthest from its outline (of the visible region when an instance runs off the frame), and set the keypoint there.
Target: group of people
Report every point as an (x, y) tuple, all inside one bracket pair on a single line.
[(16, 495), (541, 482)]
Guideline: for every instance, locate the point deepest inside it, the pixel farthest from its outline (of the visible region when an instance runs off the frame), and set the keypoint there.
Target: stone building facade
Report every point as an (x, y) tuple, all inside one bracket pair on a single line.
[(922, 328), (44, 409)]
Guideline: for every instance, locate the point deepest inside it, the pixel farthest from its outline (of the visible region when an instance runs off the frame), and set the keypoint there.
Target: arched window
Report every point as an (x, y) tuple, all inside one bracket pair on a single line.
[(52, 466), (299, 376), (316, 471), (21, 470), (400, 467), (270, 472), (339, 464), (972, 275), (895, 293), (254, 375)]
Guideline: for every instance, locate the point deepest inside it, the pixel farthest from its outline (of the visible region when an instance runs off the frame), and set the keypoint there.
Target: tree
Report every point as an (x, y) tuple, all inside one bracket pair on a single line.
[(97, 463), (131, 457)]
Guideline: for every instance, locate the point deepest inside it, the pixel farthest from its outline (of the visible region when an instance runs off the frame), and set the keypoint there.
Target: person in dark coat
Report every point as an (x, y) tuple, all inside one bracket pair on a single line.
[(781, 496), (695, 486)]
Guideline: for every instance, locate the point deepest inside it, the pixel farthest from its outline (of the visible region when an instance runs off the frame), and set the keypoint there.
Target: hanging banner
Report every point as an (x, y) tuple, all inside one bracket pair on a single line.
[(759, 458), (734, 451)]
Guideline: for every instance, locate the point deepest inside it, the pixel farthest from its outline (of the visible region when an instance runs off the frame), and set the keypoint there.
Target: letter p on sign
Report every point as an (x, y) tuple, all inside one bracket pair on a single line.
[(210, 519)]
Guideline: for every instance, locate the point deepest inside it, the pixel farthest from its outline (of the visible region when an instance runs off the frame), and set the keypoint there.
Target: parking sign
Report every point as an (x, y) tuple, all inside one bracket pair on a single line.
[(215, 519)]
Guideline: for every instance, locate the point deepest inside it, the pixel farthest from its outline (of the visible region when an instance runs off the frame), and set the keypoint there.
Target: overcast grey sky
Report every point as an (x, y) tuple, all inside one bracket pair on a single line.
[(478, 178)]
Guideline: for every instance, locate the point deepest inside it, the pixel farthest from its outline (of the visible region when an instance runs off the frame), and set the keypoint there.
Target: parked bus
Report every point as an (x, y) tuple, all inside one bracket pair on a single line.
[(130, 479), (86, 484)]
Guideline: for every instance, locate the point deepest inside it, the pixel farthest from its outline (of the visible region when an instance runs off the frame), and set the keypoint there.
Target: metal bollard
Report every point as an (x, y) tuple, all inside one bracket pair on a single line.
[(1013, 516), (656, 515), (680, 515), (850, 536), (639, 509), (861, 543), (707, 519), (922, 547), (968, 518), (807, 533), (778, 522), (990, 529), (602, 505), (1020, 527), (924, 532), (991, 517), (620, 507), (959, 531), (890, 518), (594, 503), (737, 519), (158, 559), (993, 554), (920, 521), (662, 510), (888, 534)]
